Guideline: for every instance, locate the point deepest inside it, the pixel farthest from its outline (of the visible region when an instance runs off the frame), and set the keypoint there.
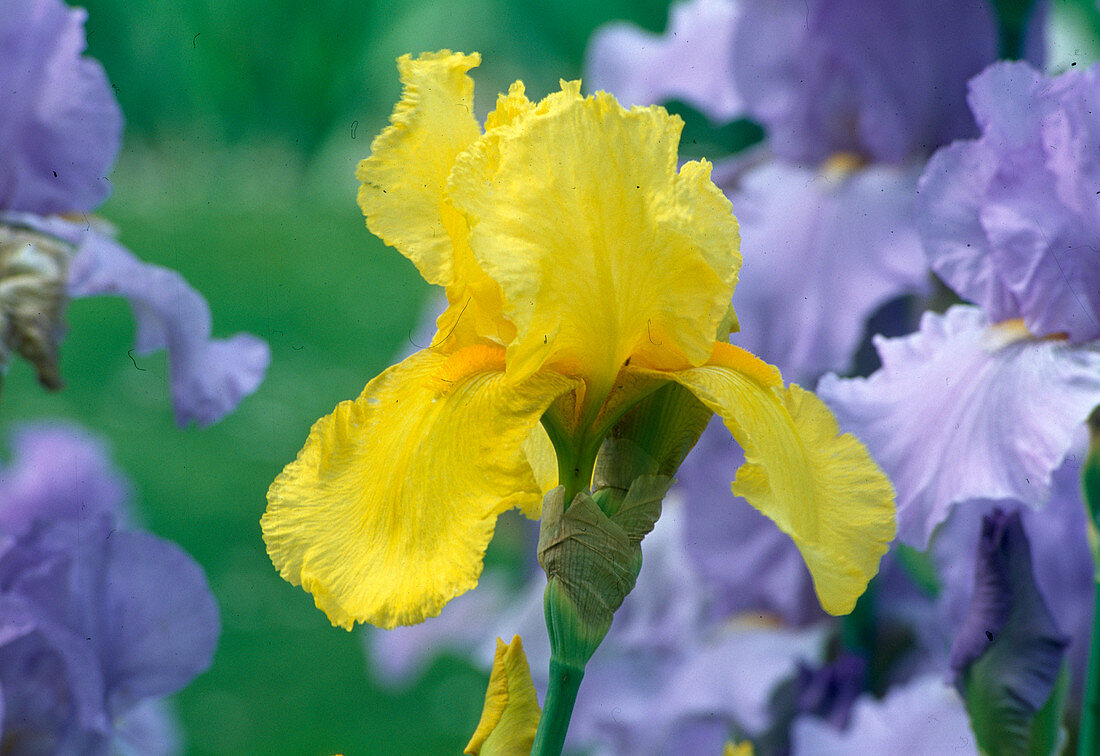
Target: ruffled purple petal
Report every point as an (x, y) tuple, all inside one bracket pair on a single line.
[(961, 410), (60, 126), (821, 242), (924, 716), (209, 376), (1011, 219), (57, 471), (881, 78), (691, 61)]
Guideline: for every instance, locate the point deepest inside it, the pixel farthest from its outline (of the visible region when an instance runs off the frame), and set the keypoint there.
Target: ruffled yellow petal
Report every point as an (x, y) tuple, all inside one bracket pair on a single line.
[(603, 250), (820, 488), (402, 191), (511, 714), (386, 512)]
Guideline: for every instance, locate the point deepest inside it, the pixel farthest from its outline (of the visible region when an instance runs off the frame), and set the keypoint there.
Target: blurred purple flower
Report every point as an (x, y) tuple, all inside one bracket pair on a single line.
[(966, 410), (88, 633), (823, 250), (60, 126), (925, 715), (883, 80), (1011, 220), (692, 61)]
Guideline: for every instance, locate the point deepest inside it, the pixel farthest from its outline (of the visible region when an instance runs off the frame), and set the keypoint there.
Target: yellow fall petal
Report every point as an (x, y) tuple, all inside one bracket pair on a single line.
[(402, 191), (386, 512), (821, 488), (511, 714), (744, 748), (603, 250)]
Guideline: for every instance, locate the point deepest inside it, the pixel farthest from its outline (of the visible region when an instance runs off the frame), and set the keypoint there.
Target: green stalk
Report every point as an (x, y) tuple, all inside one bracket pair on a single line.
[(1088, 741), (561, 694)]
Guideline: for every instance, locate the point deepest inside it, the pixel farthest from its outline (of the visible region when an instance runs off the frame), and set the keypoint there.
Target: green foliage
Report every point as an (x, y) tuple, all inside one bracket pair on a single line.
[(304, 71)]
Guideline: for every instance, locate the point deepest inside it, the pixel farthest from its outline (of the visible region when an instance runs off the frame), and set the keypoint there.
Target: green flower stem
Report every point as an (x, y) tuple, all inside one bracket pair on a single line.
[(565, 681), (1088, 741)]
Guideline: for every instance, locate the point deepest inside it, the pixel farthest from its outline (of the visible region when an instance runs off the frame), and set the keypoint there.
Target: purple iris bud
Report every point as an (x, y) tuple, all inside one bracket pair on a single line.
[(883, 80), (89, 638), (1011, 219), (60, 126), (1009, 620)]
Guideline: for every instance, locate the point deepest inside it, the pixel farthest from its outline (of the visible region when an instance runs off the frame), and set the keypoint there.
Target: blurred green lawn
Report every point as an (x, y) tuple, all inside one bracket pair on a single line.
[(245, 122)]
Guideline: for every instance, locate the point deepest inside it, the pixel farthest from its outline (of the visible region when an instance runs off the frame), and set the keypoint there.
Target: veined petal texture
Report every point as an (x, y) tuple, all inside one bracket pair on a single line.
[(964, 409), (386, 513)]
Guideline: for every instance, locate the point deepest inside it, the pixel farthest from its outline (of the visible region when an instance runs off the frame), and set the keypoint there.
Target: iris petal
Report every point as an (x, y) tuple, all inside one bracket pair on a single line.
[(603, 250), (821, 488), (386, 512), (403, 179)]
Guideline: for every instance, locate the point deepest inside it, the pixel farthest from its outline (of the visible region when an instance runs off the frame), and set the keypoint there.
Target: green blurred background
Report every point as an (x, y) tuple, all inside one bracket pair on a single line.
[(245, 121)]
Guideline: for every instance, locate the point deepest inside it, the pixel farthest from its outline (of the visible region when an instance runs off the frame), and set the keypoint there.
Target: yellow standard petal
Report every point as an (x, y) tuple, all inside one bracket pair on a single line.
[(511, 714), (603, 249), (821, 488), (386, 512), (402, 191)]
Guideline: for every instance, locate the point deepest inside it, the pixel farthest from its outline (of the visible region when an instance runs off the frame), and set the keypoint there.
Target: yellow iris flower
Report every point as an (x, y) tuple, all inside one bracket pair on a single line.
[(582, 270)]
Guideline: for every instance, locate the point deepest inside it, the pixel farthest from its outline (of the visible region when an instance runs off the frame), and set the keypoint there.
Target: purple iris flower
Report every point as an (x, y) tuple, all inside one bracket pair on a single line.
[(60, 125), (89, 638), (60, 130), (1011, 220)]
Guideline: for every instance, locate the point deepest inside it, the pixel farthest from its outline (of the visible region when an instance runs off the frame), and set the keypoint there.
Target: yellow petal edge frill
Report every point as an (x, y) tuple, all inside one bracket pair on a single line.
[(579, 264)]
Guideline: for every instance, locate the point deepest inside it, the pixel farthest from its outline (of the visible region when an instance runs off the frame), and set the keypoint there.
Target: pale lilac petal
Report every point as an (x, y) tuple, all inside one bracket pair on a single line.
[(961, 410), (691, 61), (57, 471), (1011, 220), (885, 79), (924, 716), (209, 376), (60, 126), (822, 252)]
